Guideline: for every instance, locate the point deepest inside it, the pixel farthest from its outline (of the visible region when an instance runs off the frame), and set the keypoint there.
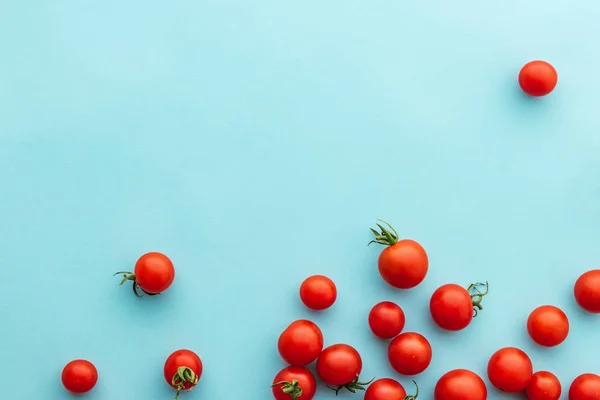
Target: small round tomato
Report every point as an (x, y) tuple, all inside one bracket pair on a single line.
[(318, 292), (386, 320), (339, 365), (183, 370), (548, 326), (453, 307), (388, 389), (300, 343), (585, 387), (79, 376), (153, 274), (293, 383), (538, 78), (510, 370), (544, 385), (409, 353), (587, 291), (404, 263), (460, 384)]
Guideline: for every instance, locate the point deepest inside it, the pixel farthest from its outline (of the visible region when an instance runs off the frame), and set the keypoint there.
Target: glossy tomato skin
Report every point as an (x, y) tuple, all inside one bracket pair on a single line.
[(318, 292), (154, 272), (385, 389), (544, 385), (538, 78), (386, 320), (460, 384), (451, 307), (548, 326), (79, 376), (339, 364), (410, 353), (510, 369), (403, 264), (585, 387), (182, 358), (300, 343), (306, 382), (587, 291)]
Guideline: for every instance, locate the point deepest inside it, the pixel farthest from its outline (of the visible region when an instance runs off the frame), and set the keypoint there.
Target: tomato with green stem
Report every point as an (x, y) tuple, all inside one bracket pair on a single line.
[(300, 343), (153, 274), (453, 307), (339, 366), (460, 384), (183, 370), (389, 389), (294, 383), (79, 376)]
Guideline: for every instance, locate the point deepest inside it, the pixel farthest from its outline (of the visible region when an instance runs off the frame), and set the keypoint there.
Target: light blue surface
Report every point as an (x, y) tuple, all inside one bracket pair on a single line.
[(255, 142)]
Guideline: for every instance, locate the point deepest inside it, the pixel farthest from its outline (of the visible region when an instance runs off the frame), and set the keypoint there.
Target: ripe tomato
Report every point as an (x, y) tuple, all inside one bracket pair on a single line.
[(153, 274), (453, 307), (585, 387), (587, 291), (79, 376), (318, 292), (510, 370), (388, 389), (460, 384), (183, 370), (300, 343), (339, 365), (548, 326), (544, 385), (538, 78), (410, 353), (403, 264), (294, 383), (386, 320)]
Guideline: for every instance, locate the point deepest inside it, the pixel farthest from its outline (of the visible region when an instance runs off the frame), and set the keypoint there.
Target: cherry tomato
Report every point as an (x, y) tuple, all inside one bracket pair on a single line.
[(585, 387), (318, 292), (79, 376), (538, 78), (404, 263), (339, 365), (587, 291), (386, 320), (453, 307), (183, 370), (409, 353), (388, 389), (293, 383), (300, 343), (544, 385), (460, 384), (548, 326), (510, 370), (153, 274)]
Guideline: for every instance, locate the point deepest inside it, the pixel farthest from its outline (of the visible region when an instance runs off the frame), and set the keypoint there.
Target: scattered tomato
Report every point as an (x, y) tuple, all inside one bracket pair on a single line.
[(585, 387), (587, 291), (386, 320), (538, 78), (410, 353), (548, 326), (339, 366), (453, 307), (300, 343), (318, 292), (510, 370), (544, 385), (183, 370), (388, 389), (79, 376), (153, 274), (460, 384), (294, 383)]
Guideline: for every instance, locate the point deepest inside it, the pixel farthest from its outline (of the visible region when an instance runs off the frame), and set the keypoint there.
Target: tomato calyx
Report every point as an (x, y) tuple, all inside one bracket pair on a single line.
[(385, 237), (477, 295), (351, 386), (413, 397), (184, 376), (130, 276), (290, 388)]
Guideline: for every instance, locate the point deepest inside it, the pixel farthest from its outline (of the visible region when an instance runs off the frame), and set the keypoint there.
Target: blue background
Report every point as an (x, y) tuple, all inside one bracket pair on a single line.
[(255, 142)]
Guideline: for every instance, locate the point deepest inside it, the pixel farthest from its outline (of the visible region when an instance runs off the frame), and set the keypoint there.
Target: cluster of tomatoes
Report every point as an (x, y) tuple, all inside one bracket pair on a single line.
[(404, 264)]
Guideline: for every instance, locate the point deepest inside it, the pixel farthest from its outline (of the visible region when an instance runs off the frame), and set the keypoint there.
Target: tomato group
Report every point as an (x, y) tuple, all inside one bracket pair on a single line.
[(300, 343), (544, 385), (340, 365), (460, 384), (585, 387), (409, 353), (404, 263), (548, 326), (386, 320), (153, 274), (79, 376), (452, 307), (510, 369), (294, 383), (388, 389), (538, 78), (182, 370), (318, 292), (587, 291)]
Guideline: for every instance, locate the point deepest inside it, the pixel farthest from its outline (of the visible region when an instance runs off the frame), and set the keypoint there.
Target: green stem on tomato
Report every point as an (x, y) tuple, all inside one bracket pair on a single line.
[(477, 295), (414, 396), (290, 388), (387, 236), (351, 386)]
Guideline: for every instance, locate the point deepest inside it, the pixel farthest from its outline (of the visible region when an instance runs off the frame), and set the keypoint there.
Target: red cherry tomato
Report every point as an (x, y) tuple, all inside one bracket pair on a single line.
[(409, 353), (587, 291), (294, 383), (153, 274), (510, 370), (79, 376), (453, 307), (318, 292), (388, 389), (460, 384), (544, 385), (300, 343), (585, 387), (386, 320), (340, 365), (538, 78), (548, 326), (183, 370)]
